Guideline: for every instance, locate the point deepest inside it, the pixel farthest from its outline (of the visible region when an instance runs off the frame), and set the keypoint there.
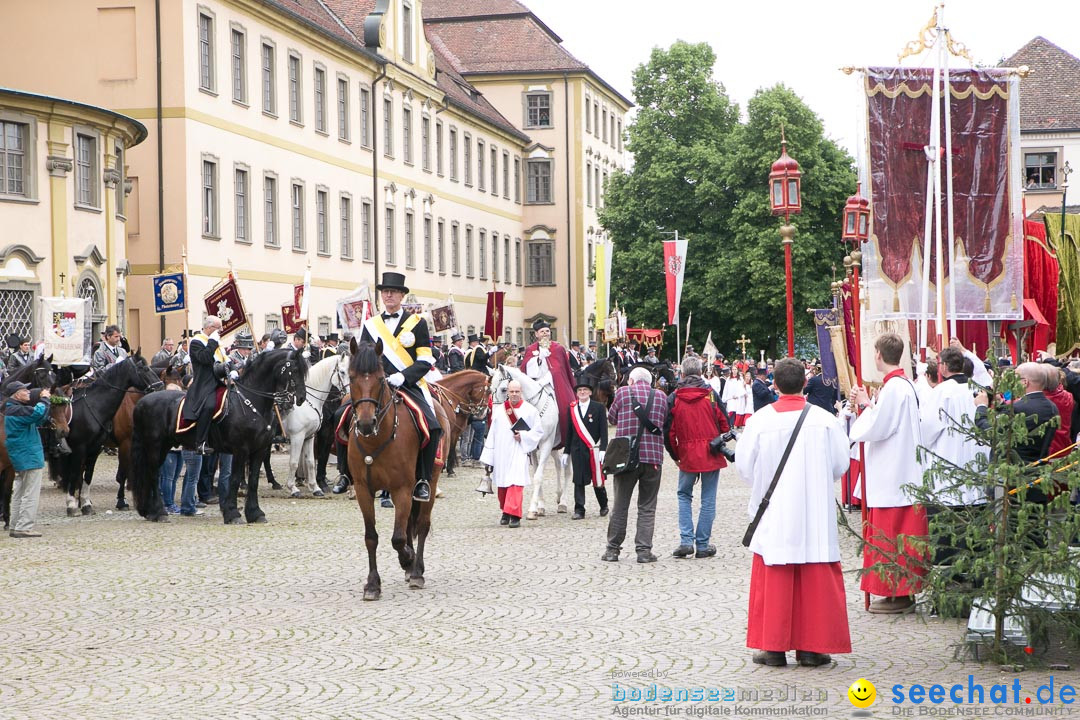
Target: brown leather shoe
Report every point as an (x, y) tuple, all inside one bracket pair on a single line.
[(893, 606), (772, 658)]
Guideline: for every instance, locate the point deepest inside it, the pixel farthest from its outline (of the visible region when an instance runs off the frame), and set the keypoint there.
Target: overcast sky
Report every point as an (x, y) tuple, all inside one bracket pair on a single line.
[(615, 36)]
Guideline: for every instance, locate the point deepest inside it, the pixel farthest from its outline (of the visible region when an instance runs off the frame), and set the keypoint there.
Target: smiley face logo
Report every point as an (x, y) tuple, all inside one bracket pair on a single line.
[(862, 693)]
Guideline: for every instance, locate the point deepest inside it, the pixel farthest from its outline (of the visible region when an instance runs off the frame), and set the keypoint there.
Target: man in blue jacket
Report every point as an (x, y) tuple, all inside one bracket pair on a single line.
[(21, 422)]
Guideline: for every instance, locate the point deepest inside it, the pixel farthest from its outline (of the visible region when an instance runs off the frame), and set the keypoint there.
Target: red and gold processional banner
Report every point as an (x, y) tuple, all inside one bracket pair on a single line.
[(987, 215), (224, 301), (290, 318), (493, 323)]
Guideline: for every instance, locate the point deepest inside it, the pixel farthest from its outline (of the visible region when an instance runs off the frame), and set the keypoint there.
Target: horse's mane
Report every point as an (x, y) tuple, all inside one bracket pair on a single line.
[(270, 359), (366, 360), (320, 372)]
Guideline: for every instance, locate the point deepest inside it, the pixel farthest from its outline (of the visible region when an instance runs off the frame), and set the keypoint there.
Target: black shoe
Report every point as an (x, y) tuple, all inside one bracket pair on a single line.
[(683, 551), (386, 502), (342, 484), (212, 500), (646, 557), (504, 520), (603, 511), (578, 515), (515, 522), (811, 659), (610, 556), (421, 491), (707, 552), (770, 658)]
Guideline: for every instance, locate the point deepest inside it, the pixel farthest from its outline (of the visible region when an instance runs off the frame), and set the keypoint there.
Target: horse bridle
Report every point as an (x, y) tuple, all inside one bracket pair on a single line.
[(281, 398), (339, 376), (544, 389), (380, 413), (464, 406)]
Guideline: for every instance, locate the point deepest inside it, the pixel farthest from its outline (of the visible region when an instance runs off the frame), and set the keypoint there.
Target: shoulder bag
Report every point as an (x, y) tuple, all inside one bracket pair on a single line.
[(621, 455), (776, 478)]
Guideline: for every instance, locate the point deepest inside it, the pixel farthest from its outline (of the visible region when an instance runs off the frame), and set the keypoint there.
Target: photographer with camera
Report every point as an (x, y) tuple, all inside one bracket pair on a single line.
[(694, 434)]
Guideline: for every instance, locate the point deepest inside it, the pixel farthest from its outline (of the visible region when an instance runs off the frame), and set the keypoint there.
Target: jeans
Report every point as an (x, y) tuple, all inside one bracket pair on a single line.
[(647, 480), (479, 428), (224, 473), (687, 536), (206, 476), (167, 477), (193, 462)]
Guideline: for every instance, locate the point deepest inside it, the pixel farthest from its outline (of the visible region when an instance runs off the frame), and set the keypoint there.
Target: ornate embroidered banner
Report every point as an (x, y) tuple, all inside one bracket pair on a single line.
[(224, 301)]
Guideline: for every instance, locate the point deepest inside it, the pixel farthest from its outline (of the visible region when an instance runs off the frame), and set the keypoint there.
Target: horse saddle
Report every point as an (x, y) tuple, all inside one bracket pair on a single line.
[(341, 432), (221, 404)]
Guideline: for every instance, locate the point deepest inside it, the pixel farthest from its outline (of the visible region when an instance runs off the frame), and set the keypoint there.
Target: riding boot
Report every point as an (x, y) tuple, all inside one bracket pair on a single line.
[(202, 430), (422, 490)]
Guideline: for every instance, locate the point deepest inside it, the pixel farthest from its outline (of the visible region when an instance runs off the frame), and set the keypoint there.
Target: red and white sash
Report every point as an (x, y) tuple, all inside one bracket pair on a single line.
[(510, 414), (593, 445)]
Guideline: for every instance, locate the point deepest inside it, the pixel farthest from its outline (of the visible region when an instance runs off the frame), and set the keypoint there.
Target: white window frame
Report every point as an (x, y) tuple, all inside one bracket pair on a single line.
[(540, 243), (452, 147), (428, 250), (319, 78), (365, 117), (322, 221), (28, 153), (295, 74), (455, 248), (365, 230), (410, 240), (533, 195), (206, 27), (389, 216), (406, 133), (296, 215), (388, 126), (537, 112), (238, 64), (242, 203), (439, 148), (268, 76), (481, 246), (425, 142), (344, 129), (88, 171), (345, 221), (469, 251), (440, 245), (210, 196), (481, 146), (271, 226)]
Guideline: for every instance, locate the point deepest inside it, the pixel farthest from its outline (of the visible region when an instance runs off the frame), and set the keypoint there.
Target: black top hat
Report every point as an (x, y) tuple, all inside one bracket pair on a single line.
[(244, 340), (437, 339), (473, 337), (392, 281), (301, 333), (575, 343), (582, 383), (456, 336), (540, 324), (13, 341)]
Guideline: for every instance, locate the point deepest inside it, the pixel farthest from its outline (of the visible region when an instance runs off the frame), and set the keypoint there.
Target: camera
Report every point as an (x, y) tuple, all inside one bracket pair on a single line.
[(718, 446)]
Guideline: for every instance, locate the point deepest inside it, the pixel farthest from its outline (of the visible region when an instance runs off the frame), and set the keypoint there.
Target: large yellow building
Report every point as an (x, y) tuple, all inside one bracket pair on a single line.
[(351, 136)]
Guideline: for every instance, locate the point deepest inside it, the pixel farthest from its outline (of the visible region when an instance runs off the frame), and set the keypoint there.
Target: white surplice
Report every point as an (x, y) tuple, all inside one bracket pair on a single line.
[(734, 391), (800, 524), (509, 458), (890, 430), (948, 406)]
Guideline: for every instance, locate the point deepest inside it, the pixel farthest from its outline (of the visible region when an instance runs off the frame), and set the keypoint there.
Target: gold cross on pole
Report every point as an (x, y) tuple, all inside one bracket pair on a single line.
[(743, 341)]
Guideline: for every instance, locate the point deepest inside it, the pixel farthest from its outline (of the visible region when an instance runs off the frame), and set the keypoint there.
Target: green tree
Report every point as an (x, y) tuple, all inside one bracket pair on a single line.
[(700, 171)]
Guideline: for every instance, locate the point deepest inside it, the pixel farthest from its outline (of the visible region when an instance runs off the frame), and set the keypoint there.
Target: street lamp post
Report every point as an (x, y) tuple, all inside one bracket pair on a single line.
[(785, 196), (856, 231)]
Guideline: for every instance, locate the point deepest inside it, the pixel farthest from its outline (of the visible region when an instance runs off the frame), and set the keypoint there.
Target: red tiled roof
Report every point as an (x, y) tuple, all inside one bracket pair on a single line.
[(515, 44), (1050, 95), (314, 13), (434, 9)]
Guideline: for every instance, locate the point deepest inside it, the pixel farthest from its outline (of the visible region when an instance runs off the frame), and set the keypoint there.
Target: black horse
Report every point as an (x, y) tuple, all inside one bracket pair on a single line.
[(602, 378), (94, 403), (272, 377), (39, 372)]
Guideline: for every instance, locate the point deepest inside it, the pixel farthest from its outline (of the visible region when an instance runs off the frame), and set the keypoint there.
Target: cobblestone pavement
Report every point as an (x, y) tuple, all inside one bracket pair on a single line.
[(113, 617)]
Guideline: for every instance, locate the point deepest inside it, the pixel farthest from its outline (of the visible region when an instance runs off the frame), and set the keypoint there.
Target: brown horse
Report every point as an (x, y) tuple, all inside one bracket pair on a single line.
[(384, 444), (59, 416), (462, 395)]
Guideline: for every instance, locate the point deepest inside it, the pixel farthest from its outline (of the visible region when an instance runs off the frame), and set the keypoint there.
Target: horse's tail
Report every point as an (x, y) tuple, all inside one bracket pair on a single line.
[(144, 467)]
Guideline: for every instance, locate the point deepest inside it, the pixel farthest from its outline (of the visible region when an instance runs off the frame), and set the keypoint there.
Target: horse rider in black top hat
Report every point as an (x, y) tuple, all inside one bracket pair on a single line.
[(208, 368), (406, 360)]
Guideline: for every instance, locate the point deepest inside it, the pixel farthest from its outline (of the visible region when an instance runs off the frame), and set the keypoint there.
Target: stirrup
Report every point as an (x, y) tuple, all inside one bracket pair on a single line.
[(417, 494)]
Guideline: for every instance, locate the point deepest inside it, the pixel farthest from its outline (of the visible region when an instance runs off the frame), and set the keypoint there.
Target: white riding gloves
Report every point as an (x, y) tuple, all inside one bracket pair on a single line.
[(396, 380)]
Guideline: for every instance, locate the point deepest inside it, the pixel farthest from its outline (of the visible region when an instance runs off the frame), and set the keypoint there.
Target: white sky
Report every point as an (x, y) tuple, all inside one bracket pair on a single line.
[(615, 36)]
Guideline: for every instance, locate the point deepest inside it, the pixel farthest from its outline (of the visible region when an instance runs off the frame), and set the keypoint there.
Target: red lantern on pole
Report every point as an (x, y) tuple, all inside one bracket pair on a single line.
[(785, 197), (856, 218)]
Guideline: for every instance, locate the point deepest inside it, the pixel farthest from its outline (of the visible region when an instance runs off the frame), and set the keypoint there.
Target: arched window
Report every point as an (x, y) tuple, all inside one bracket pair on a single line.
[(90, 289)]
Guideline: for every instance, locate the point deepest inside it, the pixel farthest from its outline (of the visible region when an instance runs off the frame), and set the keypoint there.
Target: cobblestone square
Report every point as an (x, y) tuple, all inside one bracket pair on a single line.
[(113, 617)]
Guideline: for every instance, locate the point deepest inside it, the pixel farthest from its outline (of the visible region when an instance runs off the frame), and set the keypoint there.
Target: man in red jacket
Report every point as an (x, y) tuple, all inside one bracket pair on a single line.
[(697, 416)]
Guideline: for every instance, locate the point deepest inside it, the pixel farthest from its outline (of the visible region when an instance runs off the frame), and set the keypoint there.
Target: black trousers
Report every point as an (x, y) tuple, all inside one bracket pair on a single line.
[(583, 476)]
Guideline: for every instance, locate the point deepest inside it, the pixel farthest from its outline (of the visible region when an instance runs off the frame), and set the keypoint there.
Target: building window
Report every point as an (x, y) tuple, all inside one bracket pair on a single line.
[(391, 256), (453, 154), (506, 259), (410, 247), (406, 134), (455, 255), (517, 180), (298, 216), (239, 66), (441, 247), (209, 199), (388, 127), (480, 165), (612, 121), (427, 245), (602, 191), (468, 160), (342, 109), (365, 231), (468, 252), (619, 135), (603, 126), (588, 115), (407, 31), (365, 117), (494, 171), (271, 322), (483, 255), (118, 149), (517, 261), (495, 256), (240, 201), (269, 88), (1040, 170), (540, 270), (538, 110), (295, 98), (596, 118), (538, 187), (323, 242), (346, 227), (206, 52), (86, 170), (14, 169), (506, 175), (270, 236), (438, 149), (590, 268), (596, 184), (425, 143), (588, 184), (320, 100)]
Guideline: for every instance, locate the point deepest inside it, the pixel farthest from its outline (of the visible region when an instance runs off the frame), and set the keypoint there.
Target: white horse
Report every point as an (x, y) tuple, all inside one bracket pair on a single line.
[(542, 397), (302, 422)]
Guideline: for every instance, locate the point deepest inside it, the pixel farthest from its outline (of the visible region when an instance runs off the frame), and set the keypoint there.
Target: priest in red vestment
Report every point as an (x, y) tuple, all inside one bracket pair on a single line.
[(547, 362), (796, 585)]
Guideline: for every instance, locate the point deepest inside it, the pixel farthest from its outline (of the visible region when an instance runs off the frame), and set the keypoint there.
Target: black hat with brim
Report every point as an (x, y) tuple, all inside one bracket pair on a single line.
[(13, 341), (392, 281), (540, 325), (582, 384)]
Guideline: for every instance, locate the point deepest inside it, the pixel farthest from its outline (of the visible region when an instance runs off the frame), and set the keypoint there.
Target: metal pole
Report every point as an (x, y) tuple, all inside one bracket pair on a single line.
[(787, 235)]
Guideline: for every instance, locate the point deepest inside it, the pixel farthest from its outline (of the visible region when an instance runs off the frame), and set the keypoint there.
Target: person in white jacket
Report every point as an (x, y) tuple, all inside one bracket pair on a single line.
[(796, 585)]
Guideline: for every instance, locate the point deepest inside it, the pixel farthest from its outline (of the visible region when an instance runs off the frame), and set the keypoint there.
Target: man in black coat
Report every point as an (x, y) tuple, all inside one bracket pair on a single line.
[(760, 389), (455, 355), (586, 446), (820, 394), (208, 371), (477, 357)]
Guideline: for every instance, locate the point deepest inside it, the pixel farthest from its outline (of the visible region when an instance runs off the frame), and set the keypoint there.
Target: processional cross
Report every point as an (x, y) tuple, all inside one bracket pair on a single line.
[(743, 341)]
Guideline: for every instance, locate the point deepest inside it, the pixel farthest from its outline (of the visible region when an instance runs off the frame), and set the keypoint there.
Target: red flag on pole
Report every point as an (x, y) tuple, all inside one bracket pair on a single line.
[(674, 268), (224, 301), (493, 326)]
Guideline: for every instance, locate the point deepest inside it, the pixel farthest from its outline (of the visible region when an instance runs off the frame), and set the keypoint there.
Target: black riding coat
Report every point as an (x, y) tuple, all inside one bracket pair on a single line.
[(204, 383), (416, 370)]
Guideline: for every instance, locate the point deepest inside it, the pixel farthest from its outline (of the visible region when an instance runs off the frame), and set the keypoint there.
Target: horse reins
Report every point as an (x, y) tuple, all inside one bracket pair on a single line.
[(380, 413)]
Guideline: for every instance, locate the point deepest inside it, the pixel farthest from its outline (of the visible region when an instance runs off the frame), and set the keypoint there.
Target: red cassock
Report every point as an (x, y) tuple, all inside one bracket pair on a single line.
[(797, 607), (563, 380), (885, 525)]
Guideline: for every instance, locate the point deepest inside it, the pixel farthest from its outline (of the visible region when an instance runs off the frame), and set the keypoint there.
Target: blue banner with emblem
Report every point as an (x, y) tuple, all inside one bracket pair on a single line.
[(170, 293)]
